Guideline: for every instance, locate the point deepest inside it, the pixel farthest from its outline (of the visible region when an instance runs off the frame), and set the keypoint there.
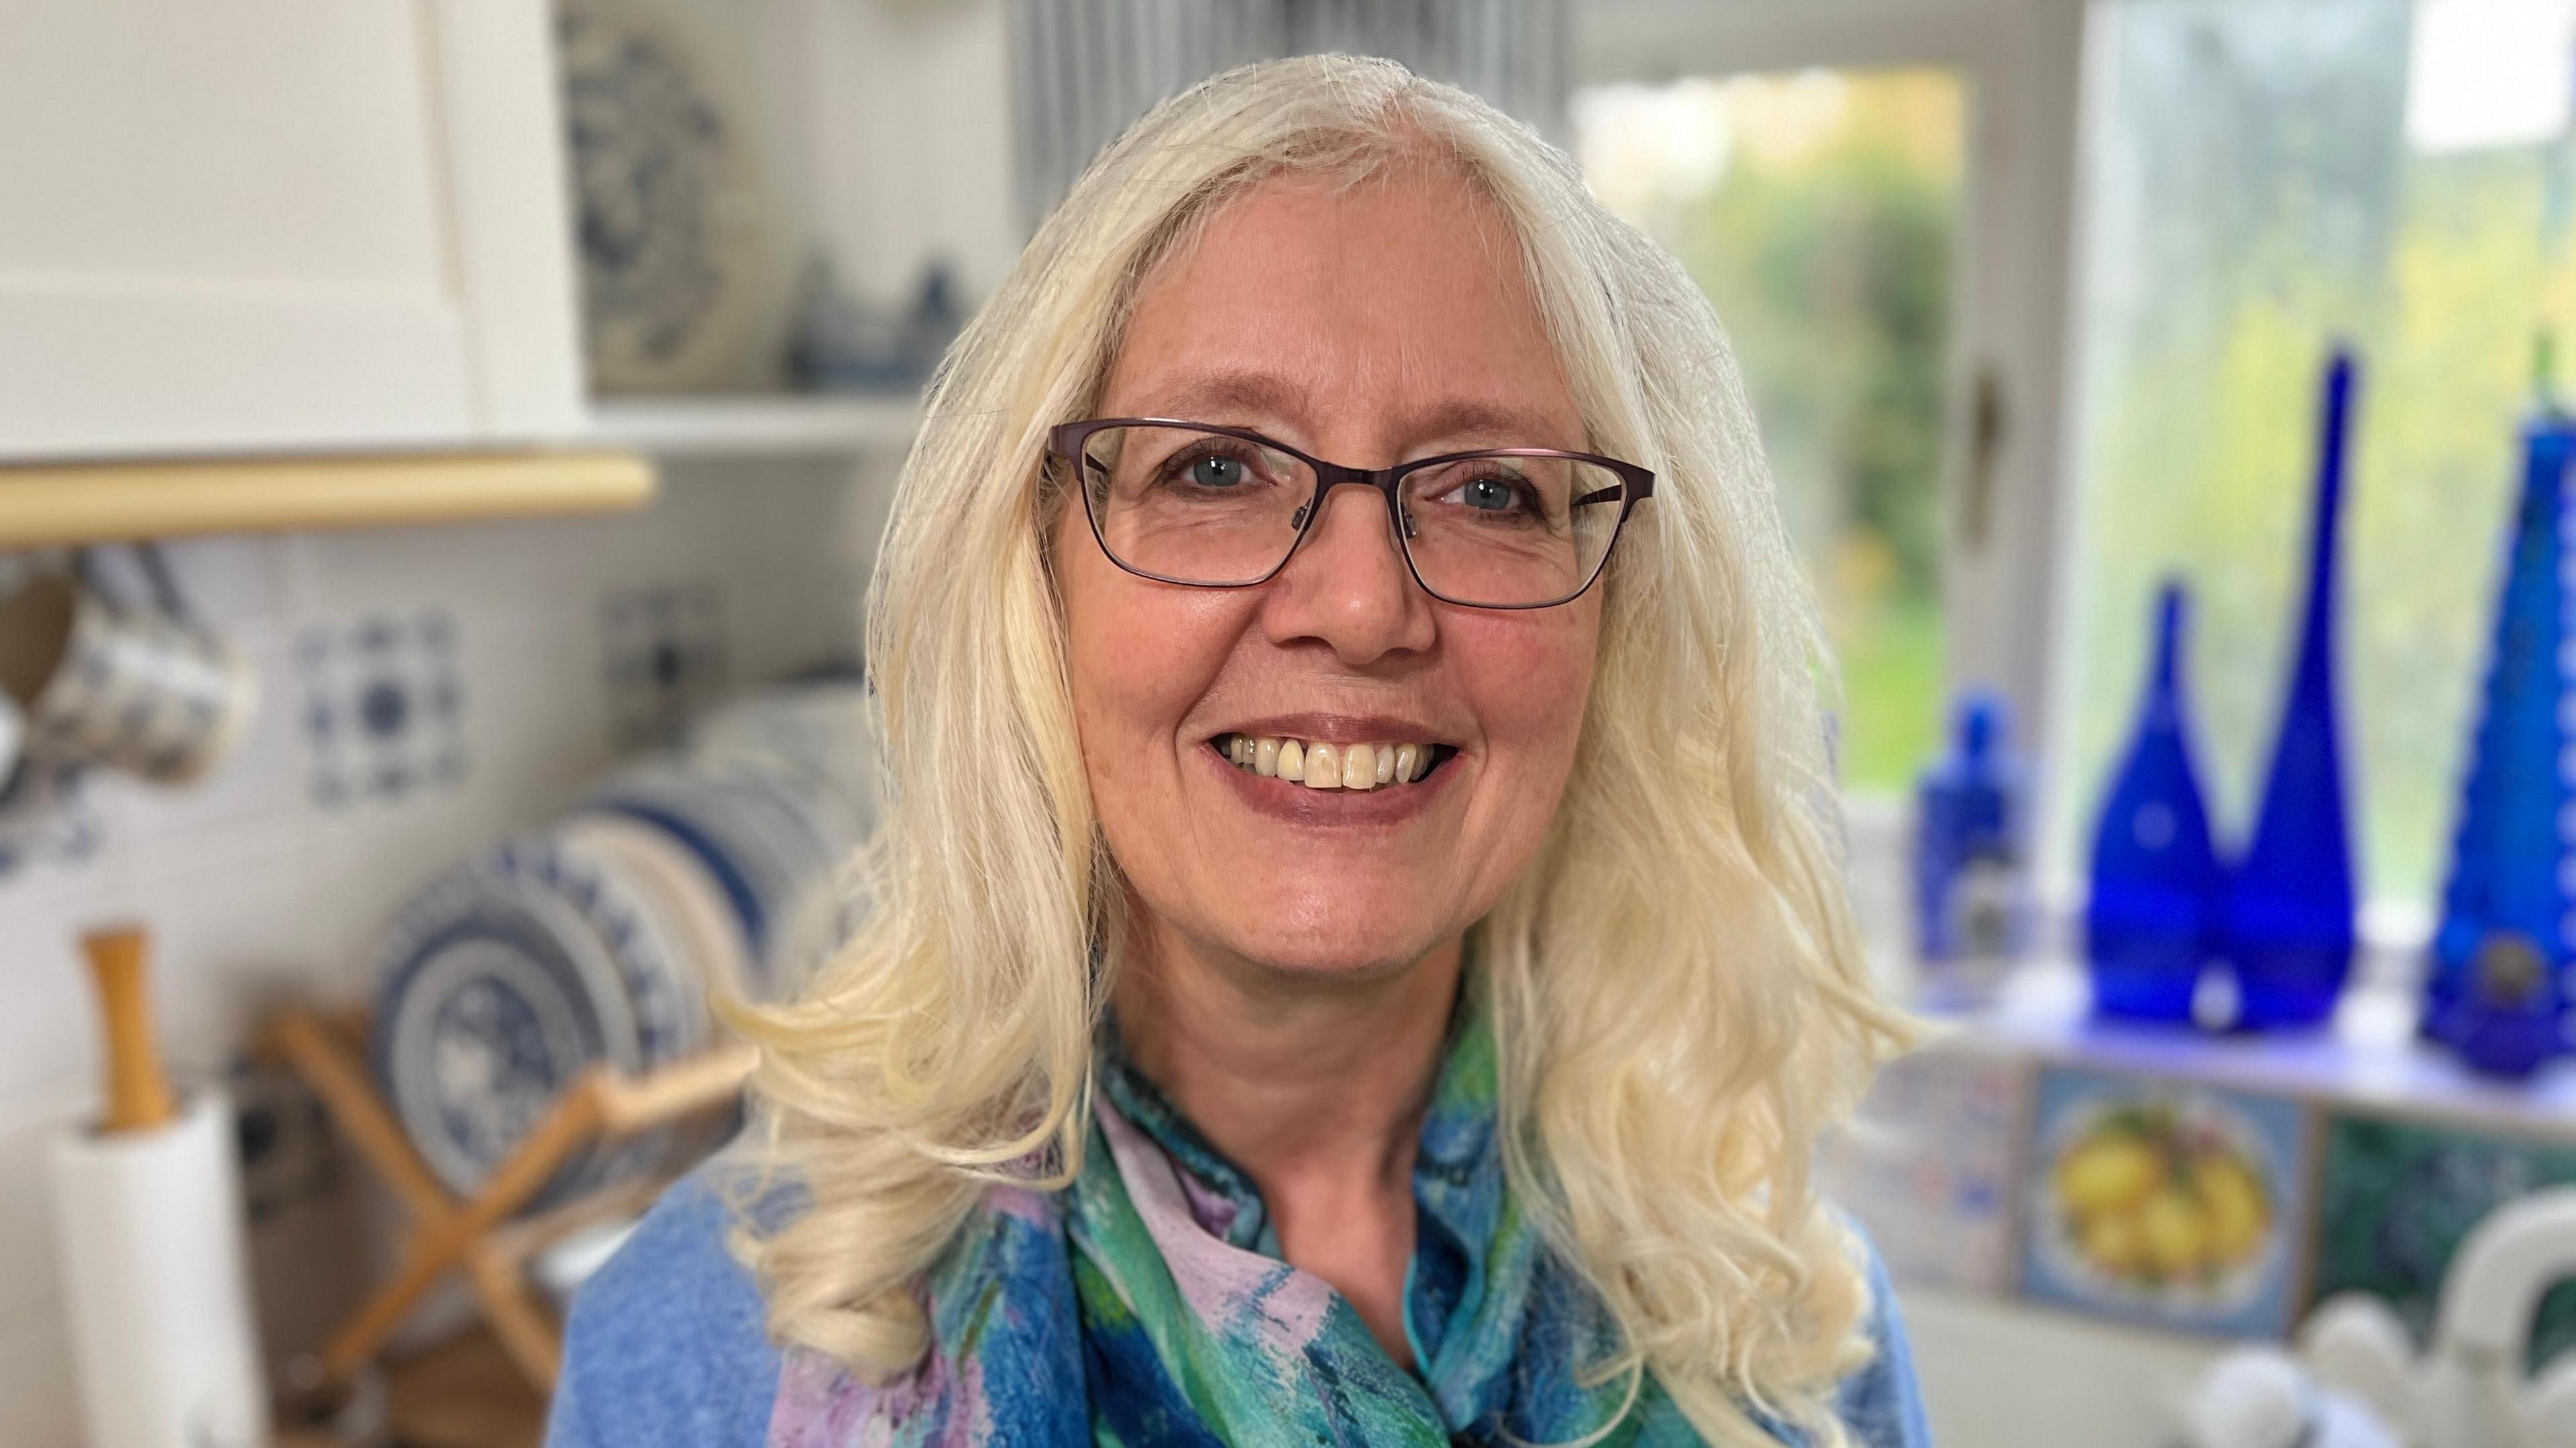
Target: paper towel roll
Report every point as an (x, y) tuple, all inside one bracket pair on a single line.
[(155, 1286)]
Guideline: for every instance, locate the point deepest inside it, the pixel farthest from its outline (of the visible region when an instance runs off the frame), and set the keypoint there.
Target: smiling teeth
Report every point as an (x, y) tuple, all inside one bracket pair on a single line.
[(1321, 765)]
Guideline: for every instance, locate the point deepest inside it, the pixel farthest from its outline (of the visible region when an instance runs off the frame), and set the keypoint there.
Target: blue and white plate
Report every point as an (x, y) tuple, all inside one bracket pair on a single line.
[(491, 1006), (760, 849), (503, 982), (820, 732)]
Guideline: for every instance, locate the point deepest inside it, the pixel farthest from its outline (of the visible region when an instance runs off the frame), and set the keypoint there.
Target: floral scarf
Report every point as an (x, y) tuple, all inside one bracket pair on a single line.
[(1147, 1304)]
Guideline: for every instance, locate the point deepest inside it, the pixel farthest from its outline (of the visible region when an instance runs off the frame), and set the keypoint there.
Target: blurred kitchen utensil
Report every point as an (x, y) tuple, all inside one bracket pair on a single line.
[(133, 688), (148, 1229)]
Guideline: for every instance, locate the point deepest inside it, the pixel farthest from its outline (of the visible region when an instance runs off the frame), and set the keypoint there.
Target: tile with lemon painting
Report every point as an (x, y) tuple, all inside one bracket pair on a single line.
[(2165, 1202)]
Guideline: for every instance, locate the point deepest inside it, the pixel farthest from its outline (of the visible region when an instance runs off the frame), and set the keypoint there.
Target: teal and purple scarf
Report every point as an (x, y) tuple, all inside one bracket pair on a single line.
[(1147, 1304)]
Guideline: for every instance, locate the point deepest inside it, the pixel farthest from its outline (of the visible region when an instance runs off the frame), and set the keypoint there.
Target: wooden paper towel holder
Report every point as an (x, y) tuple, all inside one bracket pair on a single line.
[(481, 1236)]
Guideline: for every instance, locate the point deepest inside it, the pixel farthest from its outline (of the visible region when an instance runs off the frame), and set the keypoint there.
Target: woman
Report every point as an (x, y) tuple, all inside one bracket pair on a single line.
[(1350, 964)]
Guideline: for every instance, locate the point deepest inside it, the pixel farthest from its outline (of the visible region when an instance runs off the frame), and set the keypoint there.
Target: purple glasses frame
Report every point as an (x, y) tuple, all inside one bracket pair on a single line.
[(1065, 441)]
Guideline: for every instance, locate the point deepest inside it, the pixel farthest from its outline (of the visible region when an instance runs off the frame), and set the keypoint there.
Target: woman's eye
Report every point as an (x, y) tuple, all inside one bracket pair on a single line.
[(1214, 471), (1494, 494)]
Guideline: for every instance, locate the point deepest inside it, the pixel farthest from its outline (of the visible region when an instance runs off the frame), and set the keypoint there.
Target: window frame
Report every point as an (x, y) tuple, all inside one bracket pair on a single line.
[(2006, 496)]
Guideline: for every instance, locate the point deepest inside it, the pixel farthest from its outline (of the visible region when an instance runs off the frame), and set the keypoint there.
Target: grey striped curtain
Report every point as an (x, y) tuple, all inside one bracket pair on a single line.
[(1085, 68)]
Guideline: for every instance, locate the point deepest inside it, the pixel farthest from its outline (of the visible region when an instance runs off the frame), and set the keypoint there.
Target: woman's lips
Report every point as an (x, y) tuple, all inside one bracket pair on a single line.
[(1295, 803)]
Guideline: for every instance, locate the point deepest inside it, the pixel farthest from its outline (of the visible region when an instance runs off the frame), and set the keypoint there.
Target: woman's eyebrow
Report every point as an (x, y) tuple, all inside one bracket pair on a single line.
[(1194, 396), (1263, 393)]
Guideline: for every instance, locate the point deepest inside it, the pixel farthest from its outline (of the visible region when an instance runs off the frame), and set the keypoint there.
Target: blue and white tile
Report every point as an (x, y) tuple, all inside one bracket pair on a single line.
[(663, 657), (382, 705)]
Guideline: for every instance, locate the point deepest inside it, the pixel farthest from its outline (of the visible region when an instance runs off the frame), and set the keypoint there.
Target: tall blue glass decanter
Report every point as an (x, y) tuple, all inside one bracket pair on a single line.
[(2285, 916), (2498, 985), (2155, 874)]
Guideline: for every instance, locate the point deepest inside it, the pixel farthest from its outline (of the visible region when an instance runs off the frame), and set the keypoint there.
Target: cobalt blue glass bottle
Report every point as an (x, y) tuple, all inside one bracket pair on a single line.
[(2154, 872), (2285, 921), (1970, 899), (2496, 990)]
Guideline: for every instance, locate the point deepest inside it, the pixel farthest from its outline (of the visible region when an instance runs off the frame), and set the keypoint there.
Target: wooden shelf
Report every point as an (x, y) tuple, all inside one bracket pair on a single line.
[(100, 502), (753, 426)]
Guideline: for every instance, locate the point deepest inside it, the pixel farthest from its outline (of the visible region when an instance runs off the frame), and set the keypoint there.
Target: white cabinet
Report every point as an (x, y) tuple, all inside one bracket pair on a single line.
[(281, 225)]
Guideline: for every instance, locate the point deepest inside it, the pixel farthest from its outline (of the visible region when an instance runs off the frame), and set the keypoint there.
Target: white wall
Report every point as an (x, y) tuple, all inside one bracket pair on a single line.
[(257, 886)]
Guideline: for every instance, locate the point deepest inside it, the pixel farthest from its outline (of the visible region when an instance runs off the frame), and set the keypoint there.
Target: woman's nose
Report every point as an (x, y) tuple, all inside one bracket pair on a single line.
[(1348, 585)]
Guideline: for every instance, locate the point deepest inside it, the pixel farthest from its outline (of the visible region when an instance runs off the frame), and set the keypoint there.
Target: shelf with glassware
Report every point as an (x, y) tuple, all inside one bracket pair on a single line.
[(2221, 1115)]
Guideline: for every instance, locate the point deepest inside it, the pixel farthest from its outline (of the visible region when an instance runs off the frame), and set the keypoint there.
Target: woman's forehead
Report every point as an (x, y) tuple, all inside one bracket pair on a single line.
[(1403, 297)]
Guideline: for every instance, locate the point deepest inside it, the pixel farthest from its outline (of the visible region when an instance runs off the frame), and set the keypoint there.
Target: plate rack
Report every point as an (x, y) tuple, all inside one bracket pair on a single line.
[(480, 1236)]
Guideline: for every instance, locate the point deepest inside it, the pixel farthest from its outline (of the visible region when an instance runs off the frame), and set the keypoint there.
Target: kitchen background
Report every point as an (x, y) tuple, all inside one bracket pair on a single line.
[(513, 393)]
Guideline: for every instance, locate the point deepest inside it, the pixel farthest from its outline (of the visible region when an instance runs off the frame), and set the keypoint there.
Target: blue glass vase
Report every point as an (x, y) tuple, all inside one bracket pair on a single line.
[(2497, 987), (2285, 922), (2154, 873)]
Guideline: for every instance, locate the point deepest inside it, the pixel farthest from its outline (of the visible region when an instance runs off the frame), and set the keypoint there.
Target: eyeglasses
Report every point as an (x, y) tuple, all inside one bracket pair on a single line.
[(1221, 507)]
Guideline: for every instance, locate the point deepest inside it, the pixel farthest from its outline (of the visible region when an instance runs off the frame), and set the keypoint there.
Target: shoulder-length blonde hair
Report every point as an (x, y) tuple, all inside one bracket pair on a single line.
[(1675, 983)]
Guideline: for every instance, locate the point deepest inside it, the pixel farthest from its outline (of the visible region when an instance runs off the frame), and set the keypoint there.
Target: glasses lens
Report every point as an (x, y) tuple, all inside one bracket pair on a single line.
[(1506, 531), (1193, 507)]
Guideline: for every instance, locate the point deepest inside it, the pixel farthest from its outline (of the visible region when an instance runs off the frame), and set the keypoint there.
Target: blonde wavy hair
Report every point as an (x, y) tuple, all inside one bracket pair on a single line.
[(1675, 983)]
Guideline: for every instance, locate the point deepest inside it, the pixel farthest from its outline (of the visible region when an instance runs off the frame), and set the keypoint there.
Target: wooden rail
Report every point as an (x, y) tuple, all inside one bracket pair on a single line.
[(108, 502)]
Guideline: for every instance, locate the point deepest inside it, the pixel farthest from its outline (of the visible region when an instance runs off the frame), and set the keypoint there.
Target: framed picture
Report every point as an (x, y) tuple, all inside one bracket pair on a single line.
[(2169, 1203)]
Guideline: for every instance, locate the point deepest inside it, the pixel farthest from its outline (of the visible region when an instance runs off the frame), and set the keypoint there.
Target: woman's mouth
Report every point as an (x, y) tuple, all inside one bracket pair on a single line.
[(1322, 765)]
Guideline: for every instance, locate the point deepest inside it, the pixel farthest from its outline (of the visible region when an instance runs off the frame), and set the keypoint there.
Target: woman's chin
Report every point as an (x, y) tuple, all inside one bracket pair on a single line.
[(1342, 939)]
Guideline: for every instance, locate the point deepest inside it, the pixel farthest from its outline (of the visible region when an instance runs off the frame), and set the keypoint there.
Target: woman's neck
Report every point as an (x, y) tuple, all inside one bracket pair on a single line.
[(1316, 1089), (1287, 1074)]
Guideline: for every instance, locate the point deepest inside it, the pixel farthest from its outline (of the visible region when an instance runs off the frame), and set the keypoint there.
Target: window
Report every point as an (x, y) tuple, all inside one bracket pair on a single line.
[(2269, 176), (1819, 210)]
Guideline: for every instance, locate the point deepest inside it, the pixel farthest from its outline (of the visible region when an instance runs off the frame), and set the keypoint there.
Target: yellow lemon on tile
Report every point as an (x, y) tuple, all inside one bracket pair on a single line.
[(2112, 1242), (2176, 1232), (2109, 1172), (2232, 1200)]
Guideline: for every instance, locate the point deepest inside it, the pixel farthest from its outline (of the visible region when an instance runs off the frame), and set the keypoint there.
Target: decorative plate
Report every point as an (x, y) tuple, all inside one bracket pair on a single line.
[(503, 982), (681, 285), (487, 1013), (675, 884)]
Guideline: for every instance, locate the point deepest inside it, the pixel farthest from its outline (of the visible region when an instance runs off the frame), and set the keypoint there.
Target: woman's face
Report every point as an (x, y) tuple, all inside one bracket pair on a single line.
[(1367, 326)]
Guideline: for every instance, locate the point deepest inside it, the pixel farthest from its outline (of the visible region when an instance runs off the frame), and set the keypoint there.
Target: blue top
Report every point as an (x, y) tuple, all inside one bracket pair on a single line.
[(666, 1347)]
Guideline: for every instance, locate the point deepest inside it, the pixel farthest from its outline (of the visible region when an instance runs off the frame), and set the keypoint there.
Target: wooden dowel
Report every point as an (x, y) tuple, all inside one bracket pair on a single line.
[(335, 1075), (628, 1106), (138, 1092), (526, 1330)]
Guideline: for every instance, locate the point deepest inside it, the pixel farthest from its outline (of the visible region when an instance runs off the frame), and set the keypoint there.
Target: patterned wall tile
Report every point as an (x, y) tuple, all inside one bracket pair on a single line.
[(664, 650), (383, 707)]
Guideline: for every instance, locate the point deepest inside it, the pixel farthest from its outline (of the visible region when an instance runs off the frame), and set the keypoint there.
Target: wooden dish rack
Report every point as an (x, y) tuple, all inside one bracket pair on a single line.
[(480, 1235)]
